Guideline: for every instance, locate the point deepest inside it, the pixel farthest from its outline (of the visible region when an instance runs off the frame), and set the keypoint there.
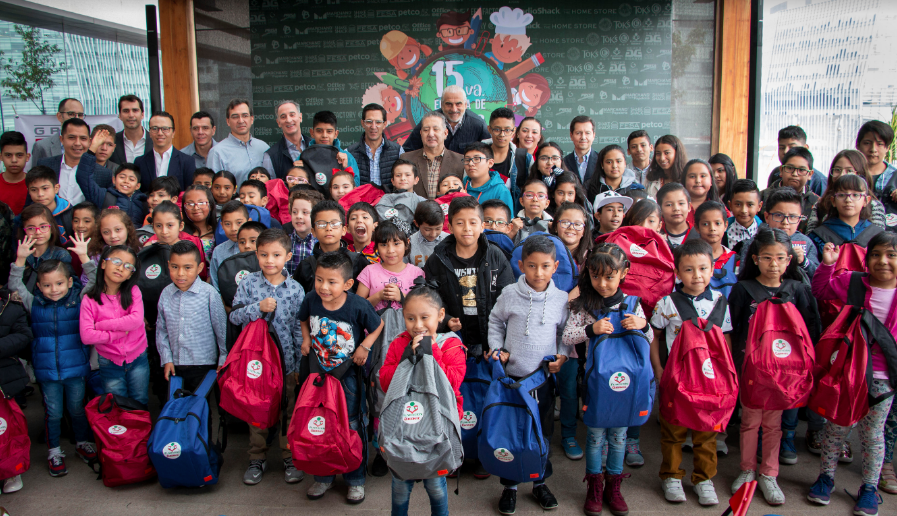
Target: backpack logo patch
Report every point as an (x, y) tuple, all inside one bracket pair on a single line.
[(320, 178), (619, 381), (504, 455), (781, 348), (413, 413), (834, 357), (637, 251), (469, 421), (316, 425), (254, 369), (171, 451), (153, 271), (3, 426), (891, 219), (707, 369), (117, 430), (445, 208), (240, 276), (390, 213)]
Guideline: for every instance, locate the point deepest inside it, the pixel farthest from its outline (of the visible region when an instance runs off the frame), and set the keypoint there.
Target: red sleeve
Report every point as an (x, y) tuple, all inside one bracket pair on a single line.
[(393, 357), (452, 358)]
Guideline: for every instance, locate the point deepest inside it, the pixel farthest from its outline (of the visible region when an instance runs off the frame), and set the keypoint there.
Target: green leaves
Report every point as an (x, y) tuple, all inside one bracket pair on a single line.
[(28, 78)]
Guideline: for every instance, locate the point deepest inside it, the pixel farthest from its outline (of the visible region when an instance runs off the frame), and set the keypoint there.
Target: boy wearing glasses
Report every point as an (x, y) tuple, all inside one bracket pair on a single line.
[(483, 183), (511, 163), (783, 211), (533, 216), (796, 170), (328, 225), (164, 159)]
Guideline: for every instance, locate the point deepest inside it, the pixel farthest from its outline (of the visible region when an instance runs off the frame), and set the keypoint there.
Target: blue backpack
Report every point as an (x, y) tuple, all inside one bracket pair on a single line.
[(256, 213), (510, 441), (619, 379), (180, 445), (724, 277), (473, 390), (567, 275), (502, 240)]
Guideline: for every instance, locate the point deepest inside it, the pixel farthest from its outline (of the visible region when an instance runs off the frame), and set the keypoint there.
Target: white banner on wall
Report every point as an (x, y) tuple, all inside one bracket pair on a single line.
[(38, 127)]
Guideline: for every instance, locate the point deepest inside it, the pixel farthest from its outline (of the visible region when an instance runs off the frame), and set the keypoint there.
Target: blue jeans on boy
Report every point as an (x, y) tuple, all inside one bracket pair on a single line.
[(129, 379), (566, 378), (354, 403), (70, 393), (616, 445), (815, 422), (437, 490)]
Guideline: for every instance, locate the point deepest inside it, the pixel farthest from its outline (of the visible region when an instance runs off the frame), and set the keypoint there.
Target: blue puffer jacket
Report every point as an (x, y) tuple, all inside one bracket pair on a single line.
[(57, 352)]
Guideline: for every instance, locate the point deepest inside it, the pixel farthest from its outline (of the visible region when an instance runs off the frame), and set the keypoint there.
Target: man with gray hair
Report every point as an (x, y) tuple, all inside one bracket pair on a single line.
[(433, 159), (463, 126), (284, 155)]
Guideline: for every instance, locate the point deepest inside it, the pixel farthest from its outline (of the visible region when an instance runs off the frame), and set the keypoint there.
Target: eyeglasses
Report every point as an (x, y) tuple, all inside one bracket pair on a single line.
[(296, 180), (770, 259), (497, 223), (795, 170), (163, 130), (839, 170), (532, 195), (475, 160), (73, 114), (567, 224), (853, 196), (779, 217), (553, 159), (237, 116), (499, 130), (118, 262), (461, 31), (374, 123), (334, 224), (43, 228), (191, 205)]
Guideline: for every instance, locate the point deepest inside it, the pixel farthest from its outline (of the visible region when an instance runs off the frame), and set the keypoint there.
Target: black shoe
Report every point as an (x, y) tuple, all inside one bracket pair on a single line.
[(546, 499), (379, 467), (479, 472), (508, 502)]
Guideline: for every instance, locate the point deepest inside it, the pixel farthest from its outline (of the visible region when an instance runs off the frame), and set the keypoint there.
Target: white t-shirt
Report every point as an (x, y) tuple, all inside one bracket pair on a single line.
[(665, 314)]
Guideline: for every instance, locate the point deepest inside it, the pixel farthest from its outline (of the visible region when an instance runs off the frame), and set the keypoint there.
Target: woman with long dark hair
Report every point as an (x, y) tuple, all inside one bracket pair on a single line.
[(668, 163)]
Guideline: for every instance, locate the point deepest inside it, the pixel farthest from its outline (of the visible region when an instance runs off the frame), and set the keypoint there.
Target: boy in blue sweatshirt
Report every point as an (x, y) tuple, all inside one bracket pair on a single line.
[(482, 182)]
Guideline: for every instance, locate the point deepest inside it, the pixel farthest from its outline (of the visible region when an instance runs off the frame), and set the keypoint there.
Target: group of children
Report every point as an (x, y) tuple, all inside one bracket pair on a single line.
[(326, 271)]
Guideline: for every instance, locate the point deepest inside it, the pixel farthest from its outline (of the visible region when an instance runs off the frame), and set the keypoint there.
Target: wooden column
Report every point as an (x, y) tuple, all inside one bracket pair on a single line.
[(177, 42), (731, 81)]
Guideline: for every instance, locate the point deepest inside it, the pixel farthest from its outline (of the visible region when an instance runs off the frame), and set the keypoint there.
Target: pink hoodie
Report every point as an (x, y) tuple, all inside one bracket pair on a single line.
[(118, 334)]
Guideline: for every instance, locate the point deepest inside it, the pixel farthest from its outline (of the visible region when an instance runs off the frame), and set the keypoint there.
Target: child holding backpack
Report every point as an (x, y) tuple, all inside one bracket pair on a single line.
[(770, 269), (424, 311), (879, 287), (384, 283)]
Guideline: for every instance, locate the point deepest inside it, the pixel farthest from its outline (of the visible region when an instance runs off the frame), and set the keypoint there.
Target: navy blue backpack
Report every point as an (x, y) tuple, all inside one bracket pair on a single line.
[(502, 240), (473, 390), (724, 277), (619, 380), (567, 275), (510, 441), (180, 445), (256, 213)]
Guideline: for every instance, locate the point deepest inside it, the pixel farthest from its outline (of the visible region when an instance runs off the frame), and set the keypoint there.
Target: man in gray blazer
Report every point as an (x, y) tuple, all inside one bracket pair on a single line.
[(434, 159)]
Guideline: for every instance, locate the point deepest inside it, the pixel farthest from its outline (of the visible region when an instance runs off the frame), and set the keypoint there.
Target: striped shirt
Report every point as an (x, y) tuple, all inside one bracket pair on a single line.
[(183, 324)]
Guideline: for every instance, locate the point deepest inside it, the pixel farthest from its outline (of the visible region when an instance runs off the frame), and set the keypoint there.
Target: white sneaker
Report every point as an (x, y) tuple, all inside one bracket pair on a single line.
[(672, 490), (771, 491), (743, 478), (722, 448), (706, 493), (355, 495), (317, 490), (12, 484)]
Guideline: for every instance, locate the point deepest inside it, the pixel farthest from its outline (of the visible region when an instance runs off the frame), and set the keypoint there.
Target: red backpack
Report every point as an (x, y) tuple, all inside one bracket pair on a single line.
[(651, 272), (321, 441), (369, 193), (699, 386), (444, 203), (843, 369), (779, 355), (121, 427), (15, 446), (251, 379)]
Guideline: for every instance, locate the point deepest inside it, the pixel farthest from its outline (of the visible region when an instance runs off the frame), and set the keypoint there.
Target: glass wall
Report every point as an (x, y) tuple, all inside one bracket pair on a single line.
[(692, 92)]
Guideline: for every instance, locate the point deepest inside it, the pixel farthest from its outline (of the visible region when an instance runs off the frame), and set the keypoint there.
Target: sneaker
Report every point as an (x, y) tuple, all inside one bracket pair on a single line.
[(672, 490), (846, 453), (814, 441), (317, 490), (355, 495), (479, 472), (887, 482), (743, 478), (291, 475), (706, 493), (12, 484), (771, 491), (87, 452), (594, 495), (613, 496), (546, 500), (688, 445), (787, 451), (634, 457), (821, 492), (508, 502), (379, 467), (57, 464), (572, 449), (255, 471), (867, 501), (722, 449)]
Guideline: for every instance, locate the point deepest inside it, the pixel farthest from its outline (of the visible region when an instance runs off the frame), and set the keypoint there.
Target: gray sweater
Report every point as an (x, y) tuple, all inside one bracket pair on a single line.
[(529, 325)]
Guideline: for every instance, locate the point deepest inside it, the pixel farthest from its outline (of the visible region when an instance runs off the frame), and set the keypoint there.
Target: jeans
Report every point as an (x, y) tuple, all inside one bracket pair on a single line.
[(815, 422), (71, 392), (436, 488), (752, 420), (354, 390), (569, 400), (129, 379), (616, 445)]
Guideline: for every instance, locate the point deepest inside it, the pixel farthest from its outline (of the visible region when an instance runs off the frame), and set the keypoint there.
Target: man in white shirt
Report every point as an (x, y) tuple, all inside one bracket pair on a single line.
[(164, 159), (52, 145), (130, 144)]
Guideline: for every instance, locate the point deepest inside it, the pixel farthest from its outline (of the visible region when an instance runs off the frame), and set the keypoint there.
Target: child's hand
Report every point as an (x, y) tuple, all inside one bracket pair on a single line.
[(342, 159), (267, 305), (658, 373), (390, 292), (80, 247), (554, 367), (360, 356), (168, 371), (633, 322), (454, 324), (306, 348), (26, 249), (98, 140), (799, 253), (503, 356), (603, 326), (830, 253), (415, 342)]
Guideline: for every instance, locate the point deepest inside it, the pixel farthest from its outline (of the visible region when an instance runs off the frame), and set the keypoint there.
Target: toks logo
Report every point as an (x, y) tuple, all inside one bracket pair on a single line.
[(781, 348), (240, 275), (619, 381), (117, 430), (316, 425), (153, 271), (504, 455), (636, 251), (469, 421), (413, 413), (707, 369), (254, 369), (171, 451)]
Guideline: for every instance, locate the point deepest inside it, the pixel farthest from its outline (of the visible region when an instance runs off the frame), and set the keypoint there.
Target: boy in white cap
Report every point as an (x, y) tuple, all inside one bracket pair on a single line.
[(610, 207)]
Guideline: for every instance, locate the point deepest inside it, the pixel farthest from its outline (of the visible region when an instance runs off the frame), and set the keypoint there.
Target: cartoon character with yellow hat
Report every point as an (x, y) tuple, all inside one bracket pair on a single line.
[(403, 52)]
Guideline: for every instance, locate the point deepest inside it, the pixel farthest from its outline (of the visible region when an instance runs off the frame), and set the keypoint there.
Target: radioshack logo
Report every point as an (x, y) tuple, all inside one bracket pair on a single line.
[(504, 455), (469, 421), (781, 348), (413, 413), (117, 430), (619, 382), (636, 251), (153, 271), (316, 425), (171, 451), (707, 369), (254, 369)]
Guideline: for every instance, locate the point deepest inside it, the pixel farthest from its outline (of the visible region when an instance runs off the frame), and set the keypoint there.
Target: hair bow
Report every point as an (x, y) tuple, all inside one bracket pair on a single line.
[(420, 281)]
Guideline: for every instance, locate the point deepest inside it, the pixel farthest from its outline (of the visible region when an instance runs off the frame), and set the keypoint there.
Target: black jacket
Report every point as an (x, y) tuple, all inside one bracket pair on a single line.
[(119, 156), (573, 166), (281, 160), (473, 129), (180, 167), (15, 336), (388, 155)]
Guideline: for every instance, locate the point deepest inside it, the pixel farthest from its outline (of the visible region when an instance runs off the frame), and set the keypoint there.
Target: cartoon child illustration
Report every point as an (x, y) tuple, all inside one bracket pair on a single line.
[(403, 52), (454, 29), (530, 93), (326, 340), (387, 97), (510, 41)]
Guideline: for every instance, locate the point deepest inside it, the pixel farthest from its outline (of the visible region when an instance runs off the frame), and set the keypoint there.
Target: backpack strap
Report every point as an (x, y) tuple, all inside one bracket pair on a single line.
[(874, 331), (866, 235), (826, 234), (856, 290), (685, 307), (757, 291), (175, 384), (207, 382), (718, 315)]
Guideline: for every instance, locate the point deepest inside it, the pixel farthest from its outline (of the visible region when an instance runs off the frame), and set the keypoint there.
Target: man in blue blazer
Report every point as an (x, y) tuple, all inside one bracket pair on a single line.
[(75, 142), (583, 160), (164, 159)]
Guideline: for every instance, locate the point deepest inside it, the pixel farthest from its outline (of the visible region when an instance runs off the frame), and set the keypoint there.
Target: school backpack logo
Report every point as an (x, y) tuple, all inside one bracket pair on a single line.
[(121, 427), (699, 386), (152, 276), (779, 354), (619, 379), (567, 275), (320, 161), (420, 433), (232, 271), (651, 273), (473, 391), (181, 445), (724, 277), (15, 445)]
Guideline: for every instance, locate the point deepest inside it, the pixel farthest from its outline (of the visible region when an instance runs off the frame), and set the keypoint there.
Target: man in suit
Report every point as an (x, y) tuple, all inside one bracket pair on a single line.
[(374, 153), (583, 160), (52, 145), (434, 158), (283, 155), (464, 126), (75, 142), (164, 159), (131, 143)]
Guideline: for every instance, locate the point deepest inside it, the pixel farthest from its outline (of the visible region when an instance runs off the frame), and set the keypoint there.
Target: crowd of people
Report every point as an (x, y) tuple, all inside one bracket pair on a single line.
[(76, 225)]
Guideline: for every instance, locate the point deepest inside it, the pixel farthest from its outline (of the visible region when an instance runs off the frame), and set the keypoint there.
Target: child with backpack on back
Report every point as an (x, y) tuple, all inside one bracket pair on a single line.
[(675, 205), (599, 291), (848, 219), (771, 272), (711, 224), (878, 288)]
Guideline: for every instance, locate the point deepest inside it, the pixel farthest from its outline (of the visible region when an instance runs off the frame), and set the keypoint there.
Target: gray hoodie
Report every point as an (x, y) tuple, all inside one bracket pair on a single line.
[(529, 325)]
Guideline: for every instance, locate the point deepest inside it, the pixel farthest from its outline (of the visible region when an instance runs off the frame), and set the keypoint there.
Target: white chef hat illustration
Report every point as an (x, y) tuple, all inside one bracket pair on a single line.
[(511, 21)]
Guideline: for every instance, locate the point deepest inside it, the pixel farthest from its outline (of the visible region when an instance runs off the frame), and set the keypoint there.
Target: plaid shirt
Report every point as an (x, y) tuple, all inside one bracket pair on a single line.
[(191, 328), (434, 167), (302, 249)]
